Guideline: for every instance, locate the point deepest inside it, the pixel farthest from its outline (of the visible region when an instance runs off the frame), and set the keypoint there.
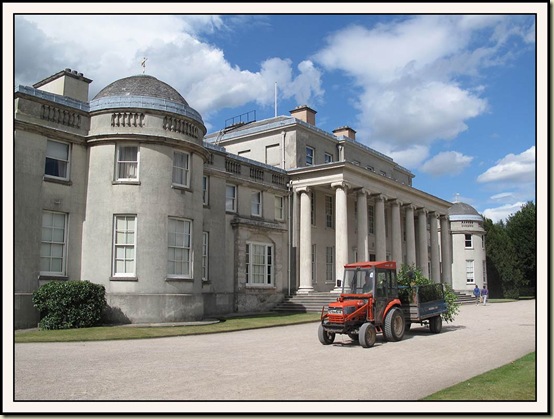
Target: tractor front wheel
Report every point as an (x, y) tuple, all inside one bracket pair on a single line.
[(367, 335), (325, 337), (435, 324), (394, 325)]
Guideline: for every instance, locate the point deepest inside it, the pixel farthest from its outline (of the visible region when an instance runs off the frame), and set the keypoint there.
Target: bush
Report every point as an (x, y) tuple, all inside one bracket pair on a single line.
[(410, 276), (69, 304)]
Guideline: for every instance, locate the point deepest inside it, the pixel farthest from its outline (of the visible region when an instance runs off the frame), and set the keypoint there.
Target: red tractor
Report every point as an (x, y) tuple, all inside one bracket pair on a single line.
[(371, 302)]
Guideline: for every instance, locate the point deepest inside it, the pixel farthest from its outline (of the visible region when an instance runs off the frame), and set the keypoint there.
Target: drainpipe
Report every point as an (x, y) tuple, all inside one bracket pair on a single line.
[(284, 134)]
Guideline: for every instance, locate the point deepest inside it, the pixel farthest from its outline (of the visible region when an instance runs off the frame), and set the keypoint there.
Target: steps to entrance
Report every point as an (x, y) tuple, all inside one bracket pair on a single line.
[(315, 301)]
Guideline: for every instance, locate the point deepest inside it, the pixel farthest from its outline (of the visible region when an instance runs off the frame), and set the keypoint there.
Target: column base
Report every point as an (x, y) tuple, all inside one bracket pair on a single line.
[(304, 290), (336, 290)]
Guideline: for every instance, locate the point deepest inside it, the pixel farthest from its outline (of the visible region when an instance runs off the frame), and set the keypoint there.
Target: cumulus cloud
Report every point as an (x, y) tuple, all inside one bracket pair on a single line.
[(518, 168), (109, 47), (446, 163), (502, 212), (409, 76)]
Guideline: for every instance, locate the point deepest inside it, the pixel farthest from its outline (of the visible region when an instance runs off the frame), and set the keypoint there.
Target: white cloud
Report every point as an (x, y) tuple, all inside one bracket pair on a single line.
[(446, 163), (502, 196), (502, 212), (513, 168)]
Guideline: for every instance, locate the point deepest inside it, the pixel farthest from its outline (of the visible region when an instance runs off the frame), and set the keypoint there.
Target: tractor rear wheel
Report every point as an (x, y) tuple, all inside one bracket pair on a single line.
[(394, 325), (325, 337), (435, 324), (367, 335)]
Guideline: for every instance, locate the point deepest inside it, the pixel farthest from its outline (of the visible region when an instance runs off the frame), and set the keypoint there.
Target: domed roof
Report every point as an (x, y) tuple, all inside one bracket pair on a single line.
[(141, 85), (463, 211)]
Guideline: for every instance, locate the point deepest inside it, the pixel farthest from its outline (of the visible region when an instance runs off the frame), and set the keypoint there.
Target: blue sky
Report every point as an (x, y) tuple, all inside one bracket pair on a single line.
[(451, 97)]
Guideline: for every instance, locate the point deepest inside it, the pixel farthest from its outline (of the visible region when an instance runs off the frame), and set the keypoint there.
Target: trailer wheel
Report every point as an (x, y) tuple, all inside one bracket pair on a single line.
[(367, 335), (435, 324), (354, 336), (325, 337), (394, 325)]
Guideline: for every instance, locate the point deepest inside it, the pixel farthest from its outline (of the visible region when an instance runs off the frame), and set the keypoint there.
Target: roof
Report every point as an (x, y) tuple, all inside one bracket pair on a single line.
[(462, 211)]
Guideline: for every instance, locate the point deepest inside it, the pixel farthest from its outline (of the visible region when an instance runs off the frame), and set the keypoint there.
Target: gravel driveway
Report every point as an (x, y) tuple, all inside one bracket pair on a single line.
[(274, 364)]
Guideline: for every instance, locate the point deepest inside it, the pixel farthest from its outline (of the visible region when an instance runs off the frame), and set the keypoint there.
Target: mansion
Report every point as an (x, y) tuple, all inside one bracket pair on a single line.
[(129, 191)]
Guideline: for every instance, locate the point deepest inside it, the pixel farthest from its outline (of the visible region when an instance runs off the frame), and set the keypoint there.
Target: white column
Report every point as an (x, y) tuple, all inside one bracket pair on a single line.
[(446, 246), (341, 228), (423, 253), (305, 242), (380, 233), (396, 233), (363, 251), (410, 236), (435, 258)]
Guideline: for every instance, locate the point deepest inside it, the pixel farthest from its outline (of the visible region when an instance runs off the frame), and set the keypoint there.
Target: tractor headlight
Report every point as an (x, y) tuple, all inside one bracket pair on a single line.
[(334, 310)]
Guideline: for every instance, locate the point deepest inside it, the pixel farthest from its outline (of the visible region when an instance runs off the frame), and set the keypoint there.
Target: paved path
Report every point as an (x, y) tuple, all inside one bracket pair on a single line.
[(277, 364)]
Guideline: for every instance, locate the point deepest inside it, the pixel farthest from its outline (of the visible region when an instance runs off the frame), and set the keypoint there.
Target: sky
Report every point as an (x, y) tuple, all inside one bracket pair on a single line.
[(451, 97)]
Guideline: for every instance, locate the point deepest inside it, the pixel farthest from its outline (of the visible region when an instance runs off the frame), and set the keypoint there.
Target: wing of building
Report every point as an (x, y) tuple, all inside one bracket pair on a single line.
[(127, 190)]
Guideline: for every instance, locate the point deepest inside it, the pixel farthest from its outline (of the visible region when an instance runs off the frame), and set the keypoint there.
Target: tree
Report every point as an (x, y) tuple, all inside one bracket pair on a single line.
[(521, 228)]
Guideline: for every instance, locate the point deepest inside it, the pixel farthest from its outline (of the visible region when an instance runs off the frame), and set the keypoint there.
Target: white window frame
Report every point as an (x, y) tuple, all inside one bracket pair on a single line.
[(205, 255), (119, 163), (279, 208), (205, 190), (328, 158), (58, 159), (179, 248), (180, 175), (124, 246), (371, 219), (329, 211), (267, 265), (470, 241), (231, 199), (310, 156), (256, 199), (330, 264), (314, 264), (470, 271), (52, 246)]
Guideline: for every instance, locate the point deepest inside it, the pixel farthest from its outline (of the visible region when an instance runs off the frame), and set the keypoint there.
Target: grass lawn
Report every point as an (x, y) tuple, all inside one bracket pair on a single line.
[(511, 382)]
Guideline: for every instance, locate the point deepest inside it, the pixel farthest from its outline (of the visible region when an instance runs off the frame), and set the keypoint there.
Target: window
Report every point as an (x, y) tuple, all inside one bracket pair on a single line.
[(127, 163), (53, 240), (468, 241), (231, 198), (383, 173), (124, 245), (310, 156), (329, 264), (314, 277), (329, 217), (484, 272), (259, 264), (470, 278), (355, 162), (205, 253), (205, 190), (256, 207), (483, 241), (328, 158), (179, 261), (371, 219), (279, 208), (181, 169), (57, 160)]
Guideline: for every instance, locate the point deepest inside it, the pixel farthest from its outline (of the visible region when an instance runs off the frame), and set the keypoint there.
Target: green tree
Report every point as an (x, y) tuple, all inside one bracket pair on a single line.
[(503, 275), (521, 228)]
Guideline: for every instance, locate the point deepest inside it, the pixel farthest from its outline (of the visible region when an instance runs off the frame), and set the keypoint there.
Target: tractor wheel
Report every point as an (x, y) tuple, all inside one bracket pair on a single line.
[(367, 335), (394, 325), (435, 324), (407, 327), (326, 338), (354, 336)]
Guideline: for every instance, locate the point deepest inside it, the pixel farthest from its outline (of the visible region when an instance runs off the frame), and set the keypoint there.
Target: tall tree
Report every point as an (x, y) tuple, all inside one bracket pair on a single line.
[(522, 230)]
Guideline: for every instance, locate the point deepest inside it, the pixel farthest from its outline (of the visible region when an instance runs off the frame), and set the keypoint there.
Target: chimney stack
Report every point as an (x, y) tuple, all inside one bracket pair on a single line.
[(345, 131), (304, 113), (69, 83)]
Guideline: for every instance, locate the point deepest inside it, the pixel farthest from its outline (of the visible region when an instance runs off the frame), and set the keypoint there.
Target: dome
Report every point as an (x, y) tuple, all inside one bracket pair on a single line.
[(461, 211), (146, 92), (141, 85)]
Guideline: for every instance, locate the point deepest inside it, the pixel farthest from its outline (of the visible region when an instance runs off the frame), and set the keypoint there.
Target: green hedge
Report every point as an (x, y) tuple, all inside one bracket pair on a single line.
[(69, 304)]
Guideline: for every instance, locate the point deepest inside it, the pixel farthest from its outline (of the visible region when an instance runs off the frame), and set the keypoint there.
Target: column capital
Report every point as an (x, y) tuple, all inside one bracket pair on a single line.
[(434, 214), (395, 201), (362, 191), (342, 185), (379, 196), (422, 211), (303, 189), (409, 205)]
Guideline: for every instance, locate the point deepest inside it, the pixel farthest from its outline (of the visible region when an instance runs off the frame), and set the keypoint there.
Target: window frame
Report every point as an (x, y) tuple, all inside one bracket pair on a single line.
[(118, 162), (310, 157), (51, 243), (470, 271), (185, 250), (205, 255), (233, 198), (268, 265), (185, 170), (256, 206), (330, 264), (328, 158), (116, 245), (466, 240), (329, 211), (67, 162), (206, 190)]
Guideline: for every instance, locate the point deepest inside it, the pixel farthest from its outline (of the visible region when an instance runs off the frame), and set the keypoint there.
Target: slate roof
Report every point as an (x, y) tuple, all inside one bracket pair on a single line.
[(461, 211)]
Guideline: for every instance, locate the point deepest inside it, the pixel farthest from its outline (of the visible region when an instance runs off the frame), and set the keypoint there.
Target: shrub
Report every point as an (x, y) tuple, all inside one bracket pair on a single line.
[(411, 276), (69, 304)]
